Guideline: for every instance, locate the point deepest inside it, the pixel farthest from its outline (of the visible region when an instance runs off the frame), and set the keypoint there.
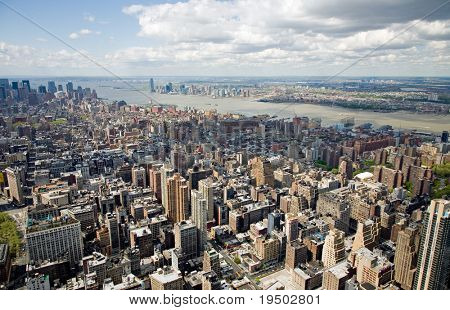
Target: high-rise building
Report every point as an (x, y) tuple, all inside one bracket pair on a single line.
[(195, 175), (186, 238), (51, 87), (26, 85), (199, 217), (166, 172), (151, 85), (139, 177), (367, 234), (405, 260), (205, 186), (334, 248), (296, 254), (177, 198), (433, 266), (267, 249), (141, 238), (274, 221), (60, 238), (291, 227), (113, 229), (262, 171), (69, 87), (211, 261), (444, 136), (15, 185), (4, 87)]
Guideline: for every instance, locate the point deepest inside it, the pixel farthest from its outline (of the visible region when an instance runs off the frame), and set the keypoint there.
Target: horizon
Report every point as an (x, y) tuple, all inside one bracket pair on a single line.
[(214, 38)]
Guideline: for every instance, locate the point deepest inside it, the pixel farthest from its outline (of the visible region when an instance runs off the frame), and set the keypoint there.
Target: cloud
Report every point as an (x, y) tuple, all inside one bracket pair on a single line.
[(82, 32), (24, 56), (88, 17), (258, 32)]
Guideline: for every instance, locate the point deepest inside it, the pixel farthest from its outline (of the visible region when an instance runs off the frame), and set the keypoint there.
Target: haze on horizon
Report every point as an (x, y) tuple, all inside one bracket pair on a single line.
[(226, 38)]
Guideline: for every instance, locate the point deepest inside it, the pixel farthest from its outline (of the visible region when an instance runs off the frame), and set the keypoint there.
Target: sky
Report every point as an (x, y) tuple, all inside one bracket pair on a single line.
[(226, 38)]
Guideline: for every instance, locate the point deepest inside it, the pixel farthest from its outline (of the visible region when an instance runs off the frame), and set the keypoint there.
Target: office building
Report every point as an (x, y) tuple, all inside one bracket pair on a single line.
[(333, 249), (211, 261), (177, 198), (186, 238), (53, 240), (112, 222), (139, 177), (166, 278), (367, 234), (15, 185), (291, 227), (166, 172), (405, 260), (433, 266), (296, 254), (205, 186), (151, 85), (199, 217)]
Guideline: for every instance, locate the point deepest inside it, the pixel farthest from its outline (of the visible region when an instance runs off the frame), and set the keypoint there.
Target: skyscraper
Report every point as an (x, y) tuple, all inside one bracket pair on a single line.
[(26, 84), (151, 85), (69, 87), (274, 221), (51, 87), (199, 216), (166, 172), (367, 234), (334, 248), (296, 254), (405, 260), (291, 228), (4, 86), (433, 265), (444, 136), (211, 261), (15, 185), (113, 229), (138, 177), (177, 198), (186, 238), (56, 239), (206, 188)]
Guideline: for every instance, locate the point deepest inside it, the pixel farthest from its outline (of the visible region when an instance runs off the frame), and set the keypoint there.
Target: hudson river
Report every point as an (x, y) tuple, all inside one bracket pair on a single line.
[(249, 106)]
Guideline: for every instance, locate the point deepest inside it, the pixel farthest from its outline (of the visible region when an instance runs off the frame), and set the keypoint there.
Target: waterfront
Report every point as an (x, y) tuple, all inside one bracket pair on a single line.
[(117, 90), (249, 106)]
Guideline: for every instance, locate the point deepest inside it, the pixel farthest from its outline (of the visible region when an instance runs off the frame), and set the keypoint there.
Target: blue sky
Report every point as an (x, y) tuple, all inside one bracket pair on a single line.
[(236, 37)]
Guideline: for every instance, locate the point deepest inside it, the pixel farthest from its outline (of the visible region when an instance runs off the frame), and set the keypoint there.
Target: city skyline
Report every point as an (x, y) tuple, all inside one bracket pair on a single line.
[(227, 38)]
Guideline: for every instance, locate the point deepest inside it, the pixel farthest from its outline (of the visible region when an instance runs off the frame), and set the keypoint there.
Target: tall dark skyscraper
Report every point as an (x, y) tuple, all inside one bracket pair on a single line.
[(151, 85), (444, 136), (42, 89), (273, 221), (26, 84), (4, 85), (69, 87), (51, 87)]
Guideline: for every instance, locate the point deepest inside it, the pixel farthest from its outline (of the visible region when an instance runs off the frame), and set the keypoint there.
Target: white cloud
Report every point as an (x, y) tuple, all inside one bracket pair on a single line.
[(258, 32), (82, 32), (24, 56), (88, 17)]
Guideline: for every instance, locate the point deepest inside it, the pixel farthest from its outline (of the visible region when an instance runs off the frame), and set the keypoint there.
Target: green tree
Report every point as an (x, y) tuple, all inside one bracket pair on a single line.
[(9, 233)]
